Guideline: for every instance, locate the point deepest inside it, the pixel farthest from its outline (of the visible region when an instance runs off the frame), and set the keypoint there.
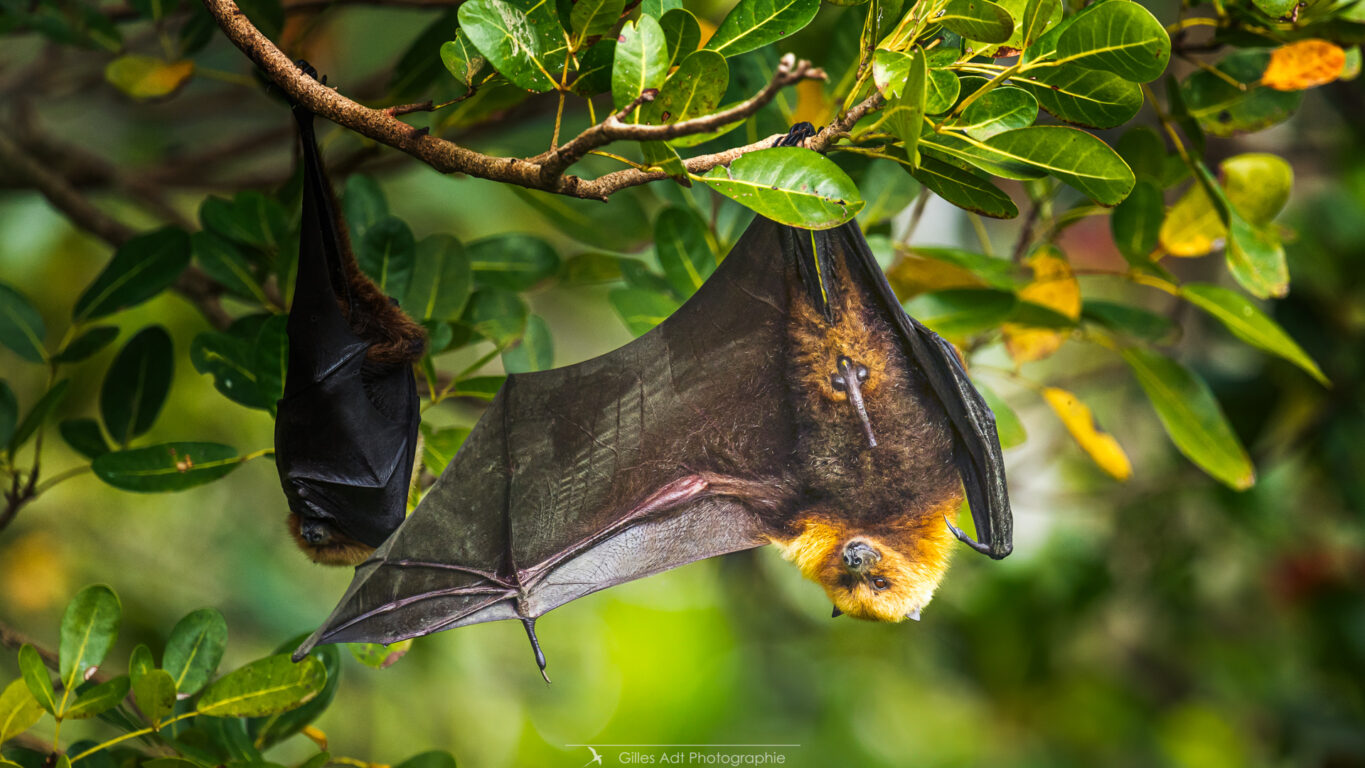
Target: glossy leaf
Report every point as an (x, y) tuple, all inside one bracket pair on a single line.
[(265, 687), (21, 327), (166, 467), (1072, 156), (19, 711), (87, 344), (461, 59), (1080, 422), (964, 189), (1088, 97), (497, 314), (1124, 318), (99, 699), (147, 77), (957, 313), (977, 20), (1039, 17), (89, 628), (136, 385), (591, 18), (534, 351), (36, 678), (194, 649), (1000, 110), (386, 254), (682, 34), (693, 90), (1247, 322), (513, 262), (641, 61), (231, 361), (641, 309), (955, 148), (1136, 222), (752, 24), (141, 268), (904, 113), (790, 185), (505, 35), (267, 731), (1192, 417), (683, 251), (250, 218), (1117, 36), (38, 414)]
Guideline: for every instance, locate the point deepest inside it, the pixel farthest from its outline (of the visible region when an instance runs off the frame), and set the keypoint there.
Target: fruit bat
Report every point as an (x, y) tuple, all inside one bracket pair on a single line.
[(346, 429), (790, 401)]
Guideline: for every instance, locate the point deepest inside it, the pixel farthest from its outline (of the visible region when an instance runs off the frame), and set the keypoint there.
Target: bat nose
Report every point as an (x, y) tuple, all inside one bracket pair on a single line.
[(314, 533), (860, 556)]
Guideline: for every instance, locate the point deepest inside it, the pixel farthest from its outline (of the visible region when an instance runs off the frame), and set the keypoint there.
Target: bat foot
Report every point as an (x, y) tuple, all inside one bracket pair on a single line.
[(530, 625), (965, 539)]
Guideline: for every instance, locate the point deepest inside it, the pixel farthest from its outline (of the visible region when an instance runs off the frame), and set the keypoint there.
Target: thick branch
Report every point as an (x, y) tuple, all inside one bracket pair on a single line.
[(789, 72)]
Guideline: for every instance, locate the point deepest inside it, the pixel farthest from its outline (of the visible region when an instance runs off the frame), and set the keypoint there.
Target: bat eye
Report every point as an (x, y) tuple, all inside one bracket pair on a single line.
[(862, 373), (838, 383), (881, 584)]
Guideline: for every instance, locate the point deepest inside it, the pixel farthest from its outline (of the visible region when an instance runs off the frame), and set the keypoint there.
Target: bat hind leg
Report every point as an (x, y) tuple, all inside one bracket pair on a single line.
[(530, 625)]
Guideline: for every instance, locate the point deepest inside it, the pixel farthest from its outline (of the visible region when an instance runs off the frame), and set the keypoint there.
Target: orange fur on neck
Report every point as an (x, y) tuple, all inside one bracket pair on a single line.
[(340, 550)]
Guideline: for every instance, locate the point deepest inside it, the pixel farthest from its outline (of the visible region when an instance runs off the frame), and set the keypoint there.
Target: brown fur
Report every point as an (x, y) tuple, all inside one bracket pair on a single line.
[(339, 549)]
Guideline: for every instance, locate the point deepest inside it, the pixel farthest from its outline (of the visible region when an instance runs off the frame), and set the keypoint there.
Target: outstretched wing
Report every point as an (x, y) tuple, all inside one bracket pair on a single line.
[(543, 503), (976, 446)]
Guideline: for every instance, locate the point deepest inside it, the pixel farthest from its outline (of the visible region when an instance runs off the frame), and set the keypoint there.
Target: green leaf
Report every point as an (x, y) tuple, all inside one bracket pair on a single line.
[(1142, 149), (1117, 36), (682, 34), (617, 225), (1247, 322), (1134, 321), (1192, 417), (141, 268), (509, 39), (1254, 256), (166, 467), (155, 9), (1224, 109), (964, 189), (941, 91), (136, 385), (889, 71), (1073, 156), (684, 253), (962, 312), (752, 24), (497, 314), (439, 447), (250, 218), (21, 327), (36, 678), (887, 190), (999, 110), (442, 280), (977, 20), (231, 362), (432, 759), (1136, 222), (147, 77), (659, 8), (905, 113), (83, 435), (659, 155), (194, 649), (267, 731), (38, 415), (1088, 97), (953, 147), (1039, 17), (1007, 424), (483, 388), (693, 90), (363, 203), (223, 261), (594, 68), (534, 351), (513, 262), (9, 413), (265, 687), (419, 67), (461, 59), (1258, 185), (591, 18), (89, 628), (379, 656), (99, 699), (790, 185), (19, 711), (386, 254), (641, 61), (641, 309), (271, 360), (86, 344)]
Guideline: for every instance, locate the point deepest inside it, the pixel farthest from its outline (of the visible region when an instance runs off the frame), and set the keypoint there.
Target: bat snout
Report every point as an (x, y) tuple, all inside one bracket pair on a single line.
[(859, 556), (315, 533)]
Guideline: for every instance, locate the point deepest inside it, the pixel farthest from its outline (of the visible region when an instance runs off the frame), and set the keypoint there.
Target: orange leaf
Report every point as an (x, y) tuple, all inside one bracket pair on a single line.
[(1054, 287), (1080, 422), (1304, 64)]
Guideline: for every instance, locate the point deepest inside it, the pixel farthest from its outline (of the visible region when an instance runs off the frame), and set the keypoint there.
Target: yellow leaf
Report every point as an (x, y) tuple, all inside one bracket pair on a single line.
[(1054, 287), (145, 77), (1304, 64), (1101, 446), (1192, 227), (812, 105), (33, 573), (913, 274)]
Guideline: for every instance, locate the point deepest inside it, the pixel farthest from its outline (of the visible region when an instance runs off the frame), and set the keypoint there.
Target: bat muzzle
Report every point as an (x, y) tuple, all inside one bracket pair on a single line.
[(859, 557)]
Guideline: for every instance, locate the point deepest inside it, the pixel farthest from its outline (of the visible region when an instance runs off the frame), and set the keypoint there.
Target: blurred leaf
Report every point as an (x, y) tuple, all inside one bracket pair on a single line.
[(1192, 417), (977, 20), (618, 225), (1247, 322), (962, 312), (1072, 156), (147, 77), (641, 309), (166, 467), (1080, 422), (387, 253), (83, 435), (752, 24), (38, 415), (478, 387), (1054, 287), (19, 711), (1088, 97), (1120, 37), (1143, 150), (1254, 255), (223, 261), (497, 314), (141, 268), (250, 218), (9, 413), (432, 759), (921, 269), (155, 9), (1304, 64), (380, 656), (439, 447), (534, 351), (363, 204), (89, 628), (194, 649), (1000, 110), (266, 15), (1134, 321), (682, 34), (1007, 424), (512, 262), (790, 185), (231, 361), (1192, 227), (1137, 221), (267, 731), (36, 678), (441, 280), (21, 327), (86, 344), (98, 699), (964, 189), (136, 384), (1223, 109), (265, 687), (271, 360), (510, 41), (683, 251), (887, 190), (1257, 184), (419, 68), (641, 62)]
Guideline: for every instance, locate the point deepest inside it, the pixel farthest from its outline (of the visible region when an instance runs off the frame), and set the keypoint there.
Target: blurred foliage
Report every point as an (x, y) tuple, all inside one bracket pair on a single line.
[(1167, 621)]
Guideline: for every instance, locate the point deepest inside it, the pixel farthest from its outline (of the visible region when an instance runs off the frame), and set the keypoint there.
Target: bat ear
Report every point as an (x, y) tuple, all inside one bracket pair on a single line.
[(837, 613)]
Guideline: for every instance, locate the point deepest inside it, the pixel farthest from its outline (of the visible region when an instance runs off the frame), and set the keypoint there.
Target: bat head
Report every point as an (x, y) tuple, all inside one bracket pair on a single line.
[(324, 543), (888, 573)]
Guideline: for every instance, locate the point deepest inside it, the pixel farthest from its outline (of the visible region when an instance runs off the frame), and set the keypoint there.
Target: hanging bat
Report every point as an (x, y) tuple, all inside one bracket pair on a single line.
[(346, 429), (790, 401)]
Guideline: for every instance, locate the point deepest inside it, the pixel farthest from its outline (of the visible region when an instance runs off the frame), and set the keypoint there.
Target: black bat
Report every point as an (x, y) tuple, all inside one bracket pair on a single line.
[(790, 401), (346, 429)]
